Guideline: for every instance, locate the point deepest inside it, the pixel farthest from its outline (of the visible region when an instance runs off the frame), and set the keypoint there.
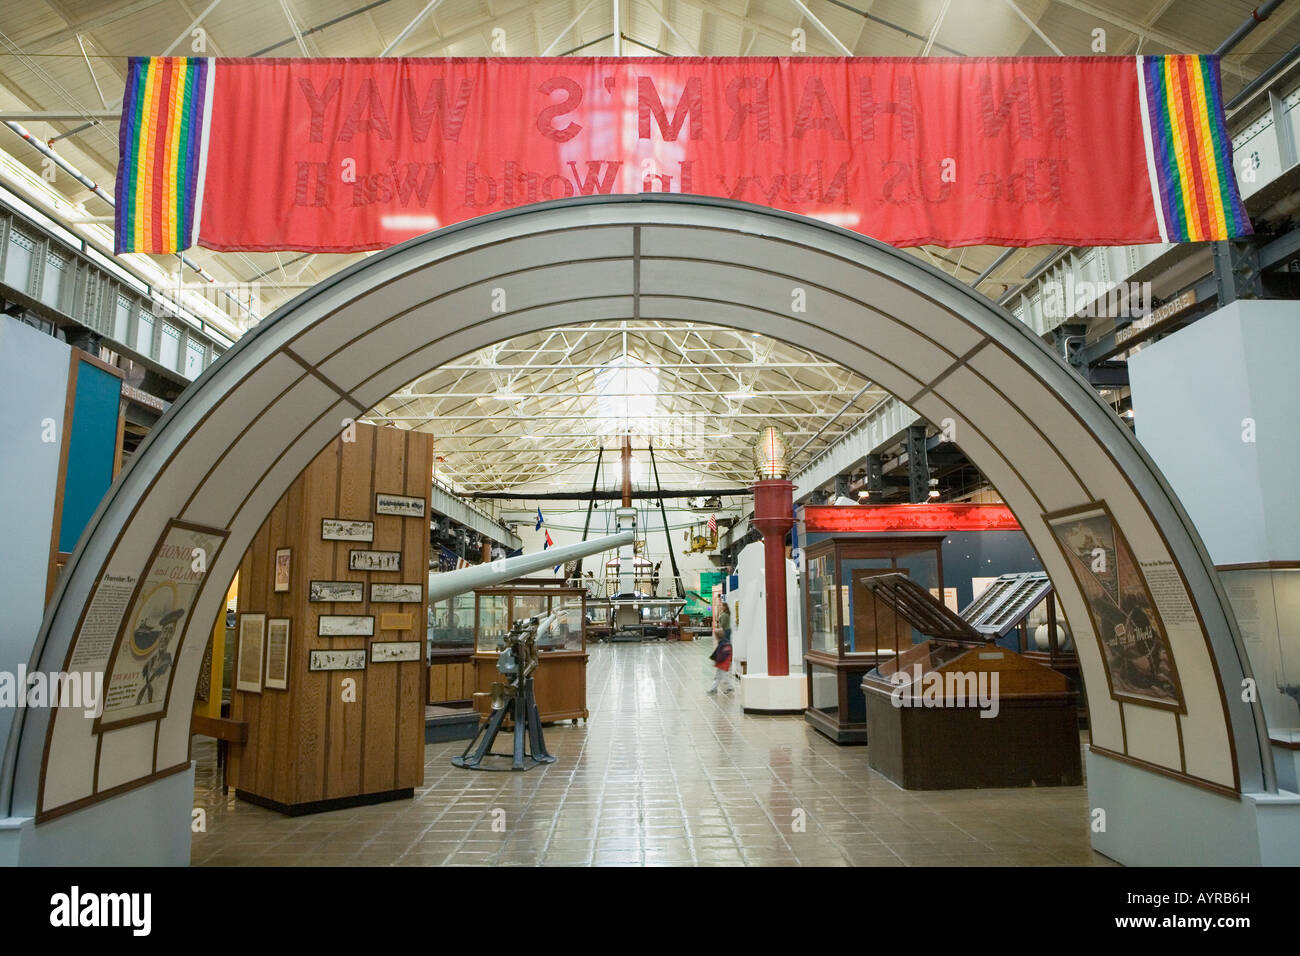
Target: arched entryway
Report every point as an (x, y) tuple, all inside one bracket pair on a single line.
[(232, 444)]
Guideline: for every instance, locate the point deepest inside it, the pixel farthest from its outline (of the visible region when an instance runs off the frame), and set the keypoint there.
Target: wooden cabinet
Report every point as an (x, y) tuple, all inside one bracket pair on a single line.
[(946, 715), (331, 738)]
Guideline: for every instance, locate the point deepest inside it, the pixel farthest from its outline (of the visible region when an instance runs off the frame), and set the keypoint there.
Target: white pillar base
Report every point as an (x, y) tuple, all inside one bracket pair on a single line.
[(761, 693), (1152, 820), (148, 826)]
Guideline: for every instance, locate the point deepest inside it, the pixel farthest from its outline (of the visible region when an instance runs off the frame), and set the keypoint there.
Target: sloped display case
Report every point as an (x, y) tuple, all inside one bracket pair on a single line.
[(957, 710)]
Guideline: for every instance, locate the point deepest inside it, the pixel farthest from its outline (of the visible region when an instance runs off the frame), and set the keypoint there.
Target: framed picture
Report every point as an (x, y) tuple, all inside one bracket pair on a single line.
[(1134, 643), (338, 592), (282, 558), (147, 641), (277, 653), (345, 625), (331, 660), (387, 652), (342, 529), (401, 505), (396, 622), (374, 560), (252, 636), (396, 593)]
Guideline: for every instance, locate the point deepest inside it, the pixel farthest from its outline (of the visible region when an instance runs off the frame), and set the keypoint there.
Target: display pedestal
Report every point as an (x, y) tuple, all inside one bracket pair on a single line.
[(768, 694)]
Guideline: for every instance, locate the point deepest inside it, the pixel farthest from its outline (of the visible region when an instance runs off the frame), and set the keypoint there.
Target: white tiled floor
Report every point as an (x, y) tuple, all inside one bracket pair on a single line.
[(661, 774)]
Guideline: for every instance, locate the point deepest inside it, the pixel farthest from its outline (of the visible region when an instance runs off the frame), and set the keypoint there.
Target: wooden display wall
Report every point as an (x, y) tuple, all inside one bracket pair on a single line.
[(307, 744)]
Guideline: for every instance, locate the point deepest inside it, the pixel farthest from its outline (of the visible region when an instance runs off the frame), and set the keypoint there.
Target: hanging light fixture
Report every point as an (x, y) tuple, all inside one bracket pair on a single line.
[(771, 453)]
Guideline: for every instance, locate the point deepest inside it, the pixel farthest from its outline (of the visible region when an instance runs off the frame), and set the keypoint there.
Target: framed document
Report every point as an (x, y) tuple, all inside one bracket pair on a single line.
[(374, 560), (341, 529), (338, 592), (252, 636), (396, 593), (345, 625), (387, 652), (277, 653), (282, 558), (402, 505), (331, 660)]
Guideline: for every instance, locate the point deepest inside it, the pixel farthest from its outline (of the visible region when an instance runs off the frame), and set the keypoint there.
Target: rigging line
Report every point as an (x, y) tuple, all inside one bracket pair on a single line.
[(678, 587), (591, 505)]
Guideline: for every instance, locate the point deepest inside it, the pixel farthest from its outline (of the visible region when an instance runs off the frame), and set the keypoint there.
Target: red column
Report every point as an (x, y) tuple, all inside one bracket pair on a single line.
[(773, 517)]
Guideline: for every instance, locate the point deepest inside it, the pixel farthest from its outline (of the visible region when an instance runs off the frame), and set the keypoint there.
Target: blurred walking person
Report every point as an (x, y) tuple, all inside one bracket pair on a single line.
[(721, 655)]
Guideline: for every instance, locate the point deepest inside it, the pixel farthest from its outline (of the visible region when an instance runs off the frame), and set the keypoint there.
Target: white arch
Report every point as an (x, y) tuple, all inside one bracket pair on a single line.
[(232, 444)]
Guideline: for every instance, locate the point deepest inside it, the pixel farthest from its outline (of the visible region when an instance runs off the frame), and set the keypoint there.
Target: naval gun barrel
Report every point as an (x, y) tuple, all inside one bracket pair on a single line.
[(447, 583)]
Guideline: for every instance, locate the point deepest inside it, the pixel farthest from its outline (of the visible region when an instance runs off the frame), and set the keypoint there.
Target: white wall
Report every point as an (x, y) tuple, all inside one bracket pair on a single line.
[(34, 370), (1215, 405), (1193, 390)]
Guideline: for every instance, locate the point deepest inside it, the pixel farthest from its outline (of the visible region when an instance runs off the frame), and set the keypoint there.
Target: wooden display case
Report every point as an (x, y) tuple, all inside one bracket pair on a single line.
[(847, 631), (960, 711), (560, 683)]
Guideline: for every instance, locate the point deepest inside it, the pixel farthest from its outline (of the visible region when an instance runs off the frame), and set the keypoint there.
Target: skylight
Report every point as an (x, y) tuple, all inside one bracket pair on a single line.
[(627, 396)]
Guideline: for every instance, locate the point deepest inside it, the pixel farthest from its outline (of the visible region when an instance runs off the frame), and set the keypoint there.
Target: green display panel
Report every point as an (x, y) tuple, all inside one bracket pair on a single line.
[(697, 602), (92, 446)]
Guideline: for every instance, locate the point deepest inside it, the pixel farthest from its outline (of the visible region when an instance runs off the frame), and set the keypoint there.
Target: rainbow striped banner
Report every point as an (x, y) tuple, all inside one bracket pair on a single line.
[(1189, 153), (1079, 150), (163, 152)]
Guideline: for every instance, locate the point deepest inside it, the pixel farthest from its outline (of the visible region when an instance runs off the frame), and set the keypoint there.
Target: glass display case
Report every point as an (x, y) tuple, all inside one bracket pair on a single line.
[(598, 621), (848, 631), (499, 609), (1021, 612), (451, 624), (492, 619), (450, 639), (560, 683)]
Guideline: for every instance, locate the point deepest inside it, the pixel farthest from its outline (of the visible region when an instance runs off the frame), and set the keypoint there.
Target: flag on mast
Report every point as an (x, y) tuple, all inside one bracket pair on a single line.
[(540, 519), (546, 543)]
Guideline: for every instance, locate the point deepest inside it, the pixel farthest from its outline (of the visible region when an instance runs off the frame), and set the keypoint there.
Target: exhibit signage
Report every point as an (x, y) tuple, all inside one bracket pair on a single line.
[(1156, 318), (343, 155), (1132, 623), (149, 640)]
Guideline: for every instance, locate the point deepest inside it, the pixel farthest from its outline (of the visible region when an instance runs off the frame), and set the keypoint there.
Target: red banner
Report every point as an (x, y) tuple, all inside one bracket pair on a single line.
[(878, 518), (340, 155)]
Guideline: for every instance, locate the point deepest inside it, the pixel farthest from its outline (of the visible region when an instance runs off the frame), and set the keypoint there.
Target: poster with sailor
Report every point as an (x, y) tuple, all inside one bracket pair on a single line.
[(1130, 629), (149, 643)]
